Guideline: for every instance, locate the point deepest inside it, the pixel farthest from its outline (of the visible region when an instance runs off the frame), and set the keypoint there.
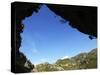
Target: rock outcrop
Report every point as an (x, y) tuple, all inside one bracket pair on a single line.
[(83, 18), (19, 10)]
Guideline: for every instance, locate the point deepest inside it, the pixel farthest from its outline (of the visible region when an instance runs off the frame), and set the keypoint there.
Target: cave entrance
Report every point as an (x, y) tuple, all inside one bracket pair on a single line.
[(47, 38)]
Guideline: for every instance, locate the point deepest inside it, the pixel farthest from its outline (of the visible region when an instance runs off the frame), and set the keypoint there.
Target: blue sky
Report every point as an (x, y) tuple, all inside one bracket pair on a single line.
[(45, 38)]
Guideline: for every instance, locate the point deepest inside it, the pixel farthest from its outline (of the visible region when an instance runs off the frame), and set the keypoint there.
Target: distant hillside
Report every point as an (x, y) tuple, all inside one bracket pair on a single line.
[(80, 61)]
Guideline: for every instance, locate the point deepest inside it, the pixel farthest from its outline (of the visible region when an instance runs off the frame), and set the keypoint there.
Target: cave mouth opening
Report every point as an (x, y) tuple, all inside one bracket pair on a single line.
[(40, 33), (24, 10)]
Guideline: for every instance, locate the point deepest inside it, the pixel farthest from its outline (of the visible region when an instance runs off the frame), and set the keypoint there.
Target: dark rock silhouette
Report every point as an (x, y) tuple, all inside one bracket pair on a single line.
[(19, 11), (82, 18)]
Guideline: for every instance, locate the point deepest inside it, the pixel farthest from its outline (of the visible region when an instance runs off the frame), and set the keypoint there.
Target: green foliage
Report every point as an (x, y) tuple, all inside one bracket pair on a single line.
[(48, 67), (92, 59), (80, 61)]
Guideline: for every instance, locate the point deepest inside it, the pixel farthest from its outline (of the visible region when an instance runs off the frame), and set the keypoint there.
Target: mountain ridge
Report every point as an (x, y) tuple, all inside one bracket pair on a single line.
[(85, 60)]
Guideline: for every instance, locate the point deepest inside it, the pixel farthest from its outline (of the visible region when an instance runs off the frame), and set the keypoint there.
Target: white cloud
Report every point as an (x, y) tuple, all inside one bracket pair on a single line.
[(65, 57), (35, 51), (43, 60)]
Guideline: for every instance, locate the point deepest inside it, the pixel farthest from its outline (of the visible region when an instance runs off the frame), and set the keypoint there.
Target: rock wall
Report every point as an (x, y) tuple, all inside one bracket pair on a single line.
[(19, 10), (83, 18)]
